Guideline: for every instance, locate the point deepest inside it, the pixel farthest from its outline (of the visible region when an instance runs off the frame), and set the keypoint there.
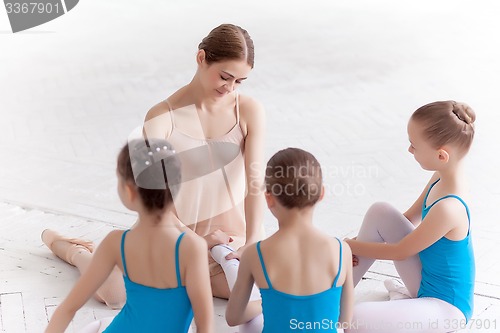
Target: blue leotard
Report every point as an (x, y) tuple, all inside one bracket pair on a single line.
[(151, 309), (291, 313), (448, 267)]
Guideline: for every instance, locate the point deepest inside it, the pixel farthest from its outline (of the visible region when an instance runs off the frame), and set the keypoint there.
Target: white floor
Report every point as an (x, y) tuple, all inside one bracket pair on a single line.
[(338, 78)]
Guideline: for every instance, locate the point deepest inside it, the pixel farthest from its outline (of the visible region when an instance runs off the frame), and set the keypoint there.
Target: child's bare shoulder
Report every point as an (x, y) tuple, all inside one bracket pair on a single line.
[(334, 244), (114, 236), (194, 243)]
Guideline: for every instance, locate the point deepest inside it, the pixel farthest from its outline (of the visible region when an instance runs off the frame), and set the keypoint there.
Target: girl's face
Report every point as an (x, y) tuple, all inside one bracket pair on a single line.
[(222, 78), (425, 154)]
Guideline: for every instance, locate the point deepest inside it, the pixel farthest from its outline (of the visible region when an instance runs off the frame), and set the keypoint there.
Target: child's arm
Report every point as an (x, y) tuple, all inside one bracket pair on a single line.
[(238, 310), (347, 299), (414, 213), (103, 262), (197, 279), (445, 216)]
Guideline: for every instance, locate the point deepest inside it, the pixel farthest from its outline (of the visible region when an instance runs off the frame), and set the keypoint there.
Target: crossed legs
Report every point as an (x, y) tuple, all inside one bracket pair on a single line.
[(383, 223)]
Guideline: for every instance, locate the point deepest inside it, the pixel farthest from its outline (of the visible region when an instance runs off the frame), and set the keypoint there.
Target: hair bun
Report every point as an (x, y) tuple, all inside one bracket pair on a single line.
[(464, 112)]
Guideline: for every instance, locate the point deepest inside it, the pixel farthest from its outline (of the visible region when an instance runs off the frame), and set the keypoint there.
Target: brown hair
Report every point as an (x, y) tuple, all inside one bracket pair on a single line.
[(155, 189), (447, 122), (294, 177), (228, 42)]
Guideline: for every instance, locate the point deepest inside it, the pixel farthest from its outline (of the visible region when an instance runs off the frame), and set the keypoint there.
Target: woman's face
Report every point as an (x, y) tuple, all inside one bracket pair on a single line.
[(222, 78)]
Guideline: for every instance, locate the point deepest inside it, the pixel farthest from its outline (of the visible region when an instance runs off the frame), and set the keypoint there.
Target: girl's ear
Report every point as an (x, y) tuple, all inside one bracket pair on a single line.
[(200, 56), (443, 156), (270, 200), (322, 195), (130, 191)]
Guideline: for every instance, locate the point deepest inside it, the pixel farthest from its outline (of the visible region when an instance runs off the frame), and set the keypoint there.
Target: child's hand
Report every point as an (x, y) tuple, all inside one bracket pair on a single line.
[(217, 237), (236, 254), (355, 261)]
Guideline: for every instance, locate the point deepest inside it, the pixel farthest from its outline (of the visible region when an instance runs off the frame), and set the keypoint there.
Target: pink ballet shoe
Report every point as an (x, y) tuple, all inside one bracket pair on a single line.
[(63, 247)]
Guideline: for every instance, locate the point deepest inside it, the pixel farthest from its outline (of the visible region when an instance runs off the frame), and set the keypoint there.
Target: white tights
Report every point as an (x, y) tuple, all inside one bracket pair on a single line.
[(230, 268), (97, 326), (383, 223)]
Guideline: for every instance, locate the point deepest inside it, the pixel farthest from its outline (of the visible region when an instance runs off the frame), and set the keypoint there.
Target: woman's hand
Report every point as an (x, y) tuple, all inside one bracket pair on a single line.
[(217, 237)]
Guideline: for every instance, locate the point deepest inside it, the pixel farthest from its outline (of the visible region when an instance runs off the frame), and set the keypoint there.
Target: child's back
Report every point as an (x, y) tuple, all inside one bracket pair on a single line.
[(151, 255), (303, 275), (164, 264), (300, 279), (154, 264), (304, 262)]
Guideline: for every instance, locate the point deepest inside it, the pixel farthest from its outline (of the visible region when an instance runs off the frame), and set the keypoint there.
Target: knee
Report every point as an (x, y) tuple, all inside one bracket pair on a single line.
[(115, 303), (253, 326), (113, 297), (380, 209)]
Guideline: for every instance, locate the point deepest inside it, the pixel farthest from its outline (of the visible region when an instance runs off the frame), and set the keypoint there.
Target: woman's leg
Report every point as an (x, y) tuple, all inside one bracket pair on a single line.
[(77, 252), (219, 284), (230, 268), (422, 315), (383, 223), (112, 291)]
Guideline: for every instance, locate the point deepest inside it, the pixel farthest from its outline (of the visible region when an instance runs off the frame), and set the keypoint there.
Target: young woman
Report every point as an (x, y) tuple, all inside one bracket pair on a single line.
[(304, 276), (164, 264), (219, 135), (430, 243)]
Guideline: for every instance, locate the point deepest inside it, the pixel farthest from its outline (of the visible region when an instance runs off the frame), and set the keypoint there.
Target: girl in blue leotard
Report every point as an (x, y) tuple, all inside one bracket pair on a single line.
[(164, 264), (431, 242), (301, 290)]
